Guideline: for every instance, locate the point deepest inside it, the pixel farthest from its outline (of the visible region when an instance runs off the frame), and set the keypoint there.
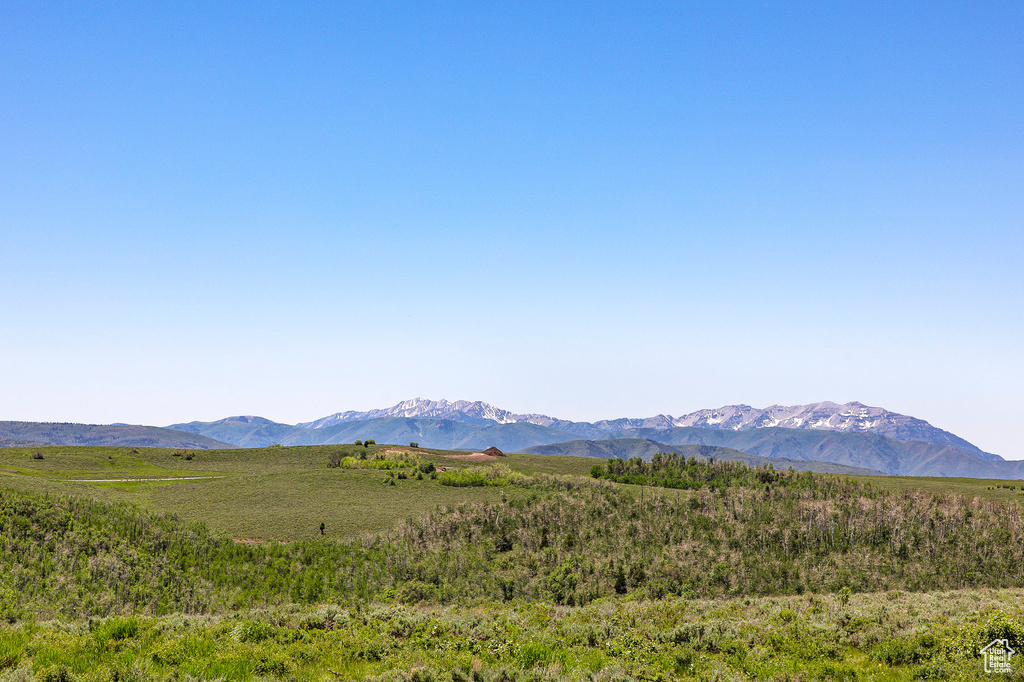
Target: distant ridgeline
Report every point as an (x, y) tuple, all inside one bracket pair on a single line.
[(852, 436), (22, 434), (729, 529)]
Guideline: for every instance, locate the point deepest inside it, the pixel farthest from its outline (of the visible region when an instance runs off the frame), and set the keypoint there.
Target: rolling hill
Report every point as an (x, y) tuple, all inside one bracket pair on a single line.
[(19, 434), (249, 432)]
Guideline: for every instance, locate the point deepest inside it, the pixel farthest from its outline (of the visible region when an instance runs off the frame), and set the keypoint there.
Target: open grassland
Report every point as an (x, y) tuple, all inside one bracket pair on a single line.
[(284, 494), (272, 493), (987, 488)]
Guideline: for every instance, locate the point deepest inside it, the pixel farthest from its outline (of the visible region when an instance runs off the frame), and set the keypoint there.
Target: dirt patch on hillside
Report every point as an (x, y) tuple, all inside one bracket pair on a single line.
[(249, 541), (474, 457)]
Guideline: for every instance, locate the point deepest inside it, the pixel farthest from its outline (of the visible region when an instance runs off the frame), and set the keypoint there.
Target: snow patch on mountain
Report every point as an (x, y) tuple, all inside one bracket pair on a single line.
[(422, 408)]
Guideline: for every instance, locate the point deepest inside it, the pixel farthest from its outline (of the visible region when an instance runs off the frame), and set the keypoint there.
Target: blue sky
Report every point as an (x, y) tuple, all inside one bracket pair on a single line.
[(589, 210)]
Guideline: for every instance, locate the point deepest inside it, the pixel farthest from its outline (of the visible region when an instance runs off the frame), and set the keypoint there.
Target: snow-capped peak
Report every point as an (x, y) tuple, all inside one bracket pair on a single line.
[(852, 416)]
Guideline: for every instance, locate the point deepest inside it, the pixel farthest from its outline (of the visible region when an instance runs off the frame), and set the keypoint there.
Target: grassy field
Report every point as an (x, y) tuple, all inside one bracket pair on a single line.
[(991, 489), (272, 493)]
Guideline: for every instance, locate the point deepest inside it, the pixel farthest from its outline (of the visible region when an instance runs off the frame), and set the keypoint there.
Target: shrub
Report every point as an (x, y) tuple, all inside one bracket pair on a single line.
[(12, 648), (123, 672), (252, 631), (903, 651), (1004, 626), (786, 615), (22, 673), (474, 476), (497, 474), (116, 629), (56, 673), (535, 653)]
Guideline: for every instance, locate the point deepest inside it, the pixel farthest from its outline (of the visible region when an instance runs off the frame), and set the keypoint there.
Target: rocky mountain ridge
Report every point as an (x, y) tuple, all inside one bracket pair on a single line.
[(849, 417)]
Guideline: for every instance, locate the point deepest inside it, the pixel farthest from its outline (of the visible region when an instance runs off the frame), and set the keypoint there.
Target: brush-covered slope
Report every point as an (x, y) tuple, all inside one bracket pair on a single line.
[(19, 434), (645, 448), (711, 529)]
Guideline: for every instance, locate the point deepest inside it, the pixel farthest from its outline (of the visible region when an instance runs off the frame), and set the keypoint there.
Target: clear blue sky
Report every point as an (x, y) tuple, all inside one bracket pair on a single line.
[(589, 210)]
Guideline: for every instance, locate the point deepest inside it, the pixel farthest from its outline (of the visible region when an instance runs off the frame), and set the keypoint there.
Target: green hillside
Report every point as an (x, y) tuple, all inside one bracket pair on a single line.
[(674, 526), (249, 432), (20, 434), (521, 567), (276, 493)]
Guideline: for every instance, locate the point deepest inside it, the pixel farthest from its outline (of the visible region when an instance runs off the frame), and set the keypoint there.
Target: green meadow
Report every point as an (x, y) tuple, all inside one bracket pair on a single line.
[(154, 564), (275, 493)]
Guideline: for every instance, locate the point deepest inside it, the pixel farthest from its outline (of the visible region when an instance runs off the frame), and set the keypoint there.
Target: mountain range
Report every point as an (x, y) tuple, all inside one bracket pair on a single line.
[(824, 416), (846, 435), (850, 434)]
